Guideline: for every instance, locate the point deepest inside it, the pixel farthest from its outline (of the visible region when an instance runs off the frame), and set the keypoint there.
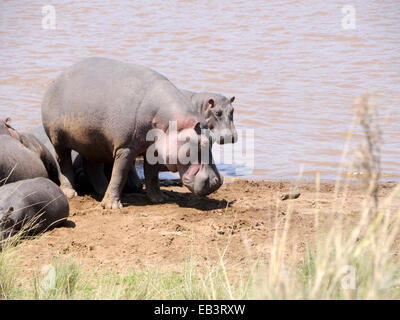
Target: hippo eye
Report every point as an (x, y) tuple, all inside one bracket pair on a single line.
[(218, 113)]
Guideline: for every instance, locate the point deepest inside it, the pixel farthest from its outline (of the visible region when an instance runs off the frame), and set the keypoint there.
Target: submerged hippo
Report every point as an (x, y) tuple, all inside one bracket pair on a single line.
[(32, 143), (33, 206), (104, 109)]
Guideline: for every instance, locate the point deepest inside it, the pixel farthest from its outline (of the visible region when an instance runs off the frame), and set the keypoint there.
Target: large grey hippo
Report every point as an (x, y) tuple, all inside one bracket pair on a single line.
[(214, 108), (104, 109), (32, 143), (32, 206)]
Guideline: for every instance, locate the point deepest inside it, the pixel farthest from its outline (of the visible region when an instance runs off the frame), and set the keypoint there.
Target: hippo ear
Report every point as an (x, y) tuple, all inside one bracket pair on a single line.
[(232, 99), (197, 127), (10, 210), (7, 120), (210, 103)]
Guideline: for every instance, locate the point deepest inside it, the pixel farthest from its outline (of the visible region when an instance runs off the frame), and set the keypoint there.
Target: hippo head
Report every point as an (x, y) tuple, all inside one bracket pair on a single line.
[(218, 113), (6, 129), (201, 179), (188, 151)]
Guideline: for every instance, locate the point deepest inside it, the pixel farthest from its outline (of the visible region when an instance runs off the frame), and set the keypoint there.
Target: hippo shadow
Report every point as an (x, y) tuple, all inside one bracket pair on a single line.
[(67, 224), (16, 239), (182, 199), (189, 200)]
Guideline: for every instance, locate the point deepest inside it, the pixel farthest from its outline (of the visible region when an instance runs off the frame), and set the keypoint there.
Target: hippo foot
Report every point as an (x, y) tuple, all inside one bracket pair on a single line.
[(157, 196), (111, 203), (69, 192)]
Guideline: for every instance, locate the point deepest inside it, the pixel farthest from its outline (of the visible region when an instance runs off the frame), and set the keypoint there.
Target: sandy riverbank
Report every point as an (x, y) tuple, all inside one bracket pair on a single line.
[(243, 213)]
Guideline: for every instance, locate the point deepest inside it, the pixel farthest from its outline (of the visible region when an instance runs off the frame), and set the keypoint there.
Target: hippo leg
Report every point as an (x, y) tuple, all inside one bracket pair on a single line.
[(153, 191), (67, 173), (95, 175), (122, 162), (82, 183), (133, 183)]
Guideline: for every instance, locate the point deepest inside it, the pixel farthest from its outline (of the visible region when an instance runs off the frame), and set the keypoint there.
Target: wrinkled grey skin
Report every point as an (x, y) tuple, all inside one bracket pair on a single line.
[(18, 162), (36, 146), (34, 205), (103, 109)]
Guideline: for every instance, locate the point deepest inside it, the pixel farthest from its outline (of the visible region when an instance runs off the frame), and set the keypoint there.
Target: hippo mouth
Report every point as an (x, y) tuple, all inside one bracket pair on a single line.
[(190, 174), (198, 180), (225, 136)]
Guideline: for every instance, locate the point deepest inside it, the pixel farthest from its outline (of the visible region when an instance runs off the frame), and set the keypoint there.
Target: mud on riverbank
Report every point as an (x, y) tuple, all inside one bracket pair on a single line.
[(242, 216)]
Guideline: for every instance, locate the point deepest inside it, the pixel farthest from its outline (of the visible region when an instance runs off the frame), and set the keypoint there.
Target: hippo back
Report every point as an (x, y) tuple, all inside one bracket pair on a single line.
[(18, 162), (100, 105), (37, 203)]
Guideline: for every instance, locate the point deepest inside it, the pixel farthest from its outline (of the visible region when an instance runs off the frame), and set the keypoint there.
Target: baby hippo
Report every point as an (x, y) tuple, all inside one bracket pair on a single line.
[(33, 206)]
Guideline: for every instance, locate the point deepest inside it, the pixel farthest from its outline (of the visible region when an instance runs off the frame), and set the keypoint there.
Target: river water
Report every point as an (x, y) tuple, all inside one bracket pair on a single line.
[(295, 67)]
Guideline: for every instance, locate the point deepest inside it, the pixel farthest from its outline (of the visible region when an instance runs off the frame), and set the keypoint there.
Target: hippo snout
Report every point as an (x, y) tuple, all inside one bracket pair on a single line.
[(228, 139), (226, 136), (205, 185), (207, 180)]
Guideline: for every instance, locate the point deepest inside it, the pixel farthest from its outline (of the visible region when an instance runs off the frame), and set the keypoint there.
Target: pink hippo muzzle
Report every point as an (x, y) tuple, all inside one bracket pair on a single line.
[(201, 179)]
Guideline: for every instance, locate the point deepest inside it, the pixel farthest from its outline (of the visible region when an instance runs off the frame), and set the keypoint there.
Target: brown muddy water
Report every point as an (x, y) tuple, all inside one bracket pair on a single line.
[(293, 67)]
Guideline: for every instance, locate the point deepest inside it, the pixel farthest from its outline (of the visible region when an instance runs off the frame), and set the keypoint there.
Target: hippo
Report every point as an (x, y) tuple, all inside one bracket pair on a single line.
[(105, 110), (18, 162), (217, 110), (214, 108), (35, 145), (32, 206)]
